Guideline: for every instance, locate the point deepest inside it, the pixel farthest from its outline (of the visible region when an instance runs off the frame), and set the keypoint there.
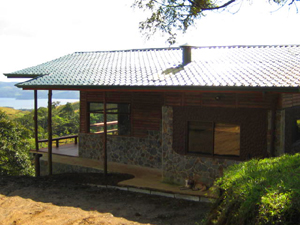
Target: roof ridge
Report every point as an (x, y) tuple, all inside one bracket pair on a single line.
[(130, 50), (173, 48)]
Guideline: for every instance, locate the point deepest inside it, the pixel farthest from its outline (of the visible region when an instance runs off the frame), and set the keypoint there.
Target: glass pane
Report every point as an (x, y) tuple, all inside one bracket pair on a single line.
[(96, 107), (124, 124), (118, 108), (227, 139), (200, 137), (112, 123), (118, 118), (124, 108), (111, 108), (96, 123)]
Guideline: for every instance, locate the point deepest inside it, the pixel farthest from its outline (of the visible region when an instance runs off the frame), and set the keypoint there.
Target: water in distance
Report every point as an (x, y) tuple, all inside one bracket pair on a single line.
[(29, 103)]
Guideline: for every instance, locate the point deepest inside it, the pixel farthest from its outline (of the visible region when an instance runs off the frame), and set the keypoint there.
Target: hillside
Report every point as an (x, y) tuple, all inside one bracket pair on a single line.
[(9, 90), (262, 191), (14, 113)]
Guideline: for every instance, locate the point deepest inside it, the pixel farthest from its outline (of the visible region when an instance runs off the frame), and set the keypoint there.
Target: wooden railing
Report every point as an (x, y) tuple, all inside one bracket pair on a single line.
[(98, 125), (61, 138)]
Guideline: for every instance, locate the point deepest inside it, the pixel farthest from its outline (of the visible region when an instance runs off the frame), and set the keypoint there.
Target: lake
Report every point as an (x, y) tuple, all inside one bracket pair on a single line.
[(29, 103)]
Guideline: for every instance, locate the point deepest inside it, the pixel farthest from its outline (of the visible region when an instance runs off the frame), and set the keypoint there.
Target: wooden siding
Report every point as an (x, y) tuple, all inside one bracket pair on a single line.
[(228, 100), (146, 106), (145, 109), (146, 112), (290, 100)]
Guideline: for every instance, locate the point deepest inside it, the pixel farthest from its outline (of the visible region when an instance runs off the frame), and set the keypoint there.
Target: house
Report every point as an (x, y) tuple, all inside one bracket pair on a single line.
[(188, 111)]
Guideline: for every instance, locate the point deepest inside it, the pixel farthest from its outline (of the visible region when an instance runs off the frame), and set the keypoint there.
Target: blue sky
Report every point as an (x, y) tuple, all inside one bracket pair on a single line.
[(35, 31)]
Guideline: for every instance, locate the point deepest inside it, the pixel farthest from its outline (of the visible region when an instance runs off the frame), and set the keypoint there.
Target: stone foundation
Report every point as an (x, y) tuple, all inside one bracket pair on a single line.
[(140, 151), (144, 151), (90, 146), (177, 168), (59, 168)]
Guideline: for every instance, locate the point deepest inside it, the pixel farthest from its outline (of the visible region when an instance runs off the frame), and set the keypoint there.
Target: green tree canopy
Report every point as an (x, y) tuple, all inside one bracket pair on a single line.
[(14, 148), (171, 16)]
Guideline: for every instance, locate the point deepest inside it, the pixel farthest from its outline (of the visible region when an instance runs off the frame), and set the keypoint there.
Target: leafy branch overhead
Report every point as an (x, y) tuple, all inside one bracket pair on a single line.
[(171, 16)]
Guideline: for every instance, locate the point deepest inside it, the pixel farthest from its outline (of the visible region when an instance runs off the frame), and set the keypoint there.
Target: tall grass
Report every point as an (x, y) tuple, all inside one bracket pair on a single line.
[(263, 191)]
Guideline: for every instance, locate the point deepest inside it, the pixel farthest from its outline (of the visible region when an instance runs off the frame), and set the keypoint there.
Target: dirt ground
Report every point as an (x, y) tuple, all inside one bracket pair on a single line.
[(65, 199)]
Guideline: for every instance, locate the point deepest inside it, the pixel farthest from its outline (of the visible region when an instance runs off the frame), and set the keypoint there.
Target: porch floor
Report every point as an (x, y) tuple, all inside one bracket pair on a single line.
[(144, 178), (66, 149)]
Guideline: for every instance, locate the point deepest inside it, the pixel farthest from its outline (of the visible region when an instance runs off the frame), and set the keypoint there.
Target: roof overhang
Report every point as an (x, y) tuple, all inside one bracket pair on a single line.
[(162, 88), (10, 75)]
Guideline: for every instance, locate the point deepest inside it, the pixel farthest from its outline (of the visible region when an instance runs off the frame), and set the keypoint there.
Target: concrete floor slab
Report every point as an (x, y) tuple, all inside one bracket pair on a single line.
[(144, 178)]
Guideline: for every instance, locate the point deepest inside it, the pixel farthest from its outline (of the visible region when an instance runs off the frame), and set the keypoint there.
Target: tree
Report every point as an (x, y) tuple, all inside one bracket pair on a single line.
[(14, 148), (170, 16)]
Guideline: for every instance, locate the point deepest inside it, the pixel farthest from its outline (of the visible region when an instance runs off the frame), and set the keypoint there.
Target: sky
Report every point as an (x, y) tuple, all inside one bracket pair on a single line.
[(36, 31)]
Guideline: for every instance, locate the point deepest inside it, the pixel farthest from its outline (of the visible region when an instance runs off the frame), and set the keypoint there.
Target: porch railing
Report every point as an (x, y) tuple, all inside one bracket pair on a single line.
[(61, 138), (99, 125)]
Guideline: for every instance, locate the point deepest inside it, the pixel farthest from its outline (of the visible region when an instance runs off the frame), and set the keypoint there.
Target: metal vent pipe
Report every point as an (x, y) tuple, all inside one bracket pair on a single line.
[(186, 54)]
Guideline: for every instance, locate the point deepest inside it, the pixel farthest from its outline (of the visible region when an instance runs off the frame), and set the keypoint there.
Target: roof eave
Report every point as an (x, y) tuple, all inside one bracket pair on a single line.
[(161, 88), (10, 75)]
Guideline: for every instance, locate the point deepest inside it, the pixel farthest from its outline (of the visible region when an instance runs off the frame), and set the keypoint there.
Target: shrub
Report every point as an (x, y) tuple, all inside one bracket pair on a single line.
[(14, 148)]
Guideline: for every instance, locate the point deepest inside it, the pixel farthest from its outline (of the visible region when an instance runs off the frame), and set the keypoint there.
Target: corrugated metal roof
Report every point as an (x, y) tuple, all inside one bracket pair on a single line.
[(211, 67)]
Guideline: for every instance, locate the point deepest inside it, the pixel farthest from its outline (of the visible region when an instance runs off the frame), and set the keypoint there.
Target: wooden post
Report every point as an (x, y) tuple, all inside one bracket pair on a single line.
[(36, 121), (273, 125), (37, 164), (50, 132), (105, 135)]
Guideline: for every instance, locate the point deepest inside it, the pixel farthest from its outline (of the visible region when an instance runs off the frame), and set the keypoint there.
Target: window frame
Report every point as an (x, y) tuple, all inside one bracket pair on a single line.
[(213, 141), (109, 113)]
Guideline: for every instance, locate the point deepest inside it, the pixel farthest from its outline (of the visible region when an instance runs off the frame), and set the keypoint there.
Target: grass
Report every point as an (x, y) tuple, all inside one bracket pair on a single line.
[(13, 113), (260, 192)]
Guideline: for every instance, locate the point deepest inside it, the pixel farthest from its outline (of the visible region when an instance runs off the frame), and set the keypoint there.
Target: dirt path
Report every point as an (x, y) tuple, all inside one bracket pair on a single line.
[(25, 200)]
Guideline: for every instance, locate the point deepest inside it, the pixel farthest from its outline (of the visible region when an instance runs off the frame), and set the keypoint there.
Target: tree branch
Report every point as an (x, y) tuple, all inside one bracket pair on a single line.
[(218, 7)]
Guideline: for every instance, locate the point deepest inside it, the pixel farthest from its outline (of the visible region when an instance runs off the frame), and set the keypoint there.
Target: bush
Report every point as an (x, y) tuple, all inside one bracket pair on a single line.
[(260, 192), (14, 148)]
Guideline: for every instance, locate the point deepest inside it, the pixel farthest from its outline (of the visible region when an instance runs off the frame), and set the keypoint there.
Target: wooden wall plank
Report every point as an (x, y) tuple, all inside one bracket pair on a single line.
[(146, 107), (290, 100)]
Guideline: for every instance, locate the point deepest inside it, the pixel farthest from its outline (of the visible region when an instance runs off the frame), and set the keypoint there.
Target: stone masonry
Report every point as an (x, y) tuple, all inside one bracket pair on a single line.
[(177, 168), (140, 151)]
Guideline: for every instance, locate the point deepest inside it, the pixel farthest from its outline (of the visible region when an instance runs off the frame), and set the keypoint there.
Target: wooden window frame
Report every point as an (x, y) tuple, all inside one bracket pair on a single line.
[(108, 113), (213, 141)]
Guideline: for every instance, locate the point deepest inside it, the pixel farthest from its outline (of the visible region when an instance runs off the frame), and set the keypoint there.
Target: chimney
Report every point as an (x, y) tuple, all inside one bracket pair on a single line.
[(186, 54)]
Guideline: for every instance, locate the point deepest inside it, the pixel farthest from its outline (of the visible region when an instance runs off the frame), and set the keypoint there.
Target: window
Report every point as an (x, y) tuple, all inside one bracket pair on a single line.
[(213, 138), (117, 116), (296, 133)]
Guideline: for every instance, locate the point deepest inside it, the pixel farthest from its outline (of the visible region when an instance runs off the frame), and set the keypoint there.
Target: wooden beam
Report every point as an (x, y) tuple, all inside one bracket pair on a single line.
[(273, 125), (105, 136), (36, 121), (50, 132)]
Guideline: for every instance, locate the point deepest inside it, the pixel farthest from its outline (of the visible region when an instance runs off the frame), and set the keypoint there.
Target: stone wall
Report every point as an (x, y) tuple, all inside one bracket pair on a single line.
[(140, 151), (90, 146), (177, 168), (59, 168)]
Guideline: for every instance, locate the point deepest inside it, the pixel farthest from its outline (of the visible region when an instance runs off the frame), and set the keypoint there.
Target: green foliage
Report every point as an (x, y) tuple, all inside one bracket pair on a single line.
[(260, 192), (14, 148), (65, 120), (17, 131), (170, 16), (14, 113)]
